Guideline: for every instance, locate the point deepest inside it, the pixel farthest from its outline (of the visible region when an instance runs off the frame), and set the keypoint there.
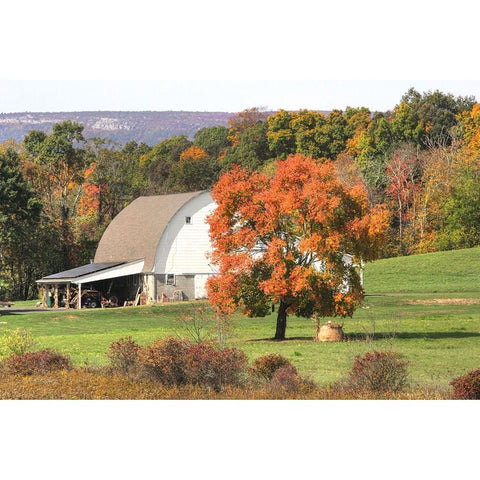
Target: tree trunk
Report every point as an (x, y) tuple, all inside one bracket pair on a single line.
[(281, 321)]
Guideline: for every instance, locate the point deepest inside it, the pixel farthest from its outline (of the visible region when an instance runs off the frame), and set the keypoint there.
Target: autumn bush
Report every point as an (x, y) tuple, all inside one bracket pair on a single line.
[(467, 387), (173, 361), (285, 380), (124, 355), (379, 372), (18, 341), (35, 363), (265, 366), (164, 361), (212, 367)]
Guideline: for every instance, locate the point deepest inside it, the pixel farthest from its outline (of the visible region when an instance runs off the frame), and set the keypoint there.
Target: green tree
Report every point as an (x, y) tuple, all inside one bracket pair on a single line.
[(356, 119), (194, 171), (429, 117), (112, 177), (280, 134), (331, 136), (58, 164), (305, 125), (214, 140), (251, 151), (461, 227), (159, 160), (20, 214)]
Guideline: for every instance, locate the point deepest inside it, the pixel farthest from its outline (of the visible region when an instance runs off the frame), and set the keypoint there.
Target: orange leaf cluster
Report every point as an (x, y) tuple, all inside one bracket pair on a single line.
[(193, 153)]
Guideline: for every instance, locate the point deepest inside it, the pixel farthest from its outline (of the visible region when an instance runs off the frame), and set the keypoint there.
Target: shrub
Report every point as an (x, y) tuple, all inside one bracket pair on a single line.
[(164, 360), (33, 363), (196, 322), (285, 380), (379, 372), (178, 362), (18, 341), (124, 355), (266, 366), (467, 387), (211, 367)]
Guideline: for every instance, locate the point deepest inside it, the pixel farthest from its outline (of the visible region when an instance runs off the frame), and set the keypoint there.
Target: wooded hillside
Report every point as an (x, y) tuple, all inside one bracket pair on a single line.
[(60, 189)]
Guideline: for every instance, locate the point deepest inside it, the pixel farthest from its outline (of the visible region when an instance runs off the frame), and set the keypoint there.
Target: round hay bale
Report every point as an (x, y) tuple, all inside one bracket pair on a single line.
[(330, 332)]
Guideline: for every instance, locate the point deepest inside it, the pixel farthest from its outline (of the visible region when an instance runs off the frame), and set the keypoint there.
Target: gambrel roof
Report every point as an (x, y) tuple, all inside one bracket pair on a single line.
[(136, 231)]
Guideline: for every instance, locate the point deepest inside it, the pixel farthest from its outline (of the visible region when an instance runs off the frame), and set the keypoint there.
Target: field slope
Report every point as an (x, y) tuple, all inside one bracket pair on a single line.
[(440, 272)]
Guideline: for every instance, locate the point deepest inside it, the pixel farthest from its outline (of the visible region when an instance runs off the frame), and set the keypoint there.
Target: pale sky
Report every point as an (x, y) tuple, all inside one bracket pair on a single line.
[(227, 95), (227, 56)]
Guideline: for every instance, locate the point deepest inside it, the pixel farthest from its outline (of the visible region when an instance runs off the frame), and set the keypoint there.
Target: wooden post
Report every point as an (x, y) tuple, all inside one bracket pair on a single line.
[(67, 300), (49, 294), (79, 300), (55, 296), (44, 296)]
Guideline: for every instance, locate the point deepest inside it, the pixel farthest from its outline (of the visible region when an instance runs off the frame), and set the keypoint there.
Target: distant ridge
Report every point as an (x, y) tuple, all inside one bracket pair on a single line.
[(120, 127)]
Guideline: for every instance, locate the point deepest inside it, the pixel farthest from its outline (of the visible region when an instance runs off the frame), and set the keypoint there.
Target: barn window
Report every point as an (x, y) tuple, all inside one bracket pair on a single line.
[(188, 220), (170, 279)]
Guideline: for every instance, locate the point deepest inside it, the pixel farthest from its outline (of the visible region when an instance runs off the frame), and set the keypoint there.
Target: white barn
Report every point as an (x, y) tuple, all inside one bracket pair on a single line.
[(157, 246)]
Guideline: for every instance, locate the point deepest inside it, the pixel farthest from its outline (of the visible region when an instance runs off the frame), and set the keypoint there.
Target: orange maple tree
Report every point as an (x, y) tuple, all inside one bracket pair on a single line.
[(282, 240)]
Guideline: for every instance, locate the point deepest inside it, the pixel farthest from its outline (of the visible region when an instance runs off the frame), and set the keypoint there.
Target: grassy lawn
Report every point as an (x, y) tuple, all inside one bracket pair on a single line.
[(426, 307), (441, 340)]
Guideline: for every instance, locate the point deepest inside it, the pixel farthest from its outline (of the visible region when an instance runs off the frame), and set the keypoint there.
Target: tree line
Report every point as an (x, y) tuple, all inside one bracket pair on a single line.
[(59, 191)]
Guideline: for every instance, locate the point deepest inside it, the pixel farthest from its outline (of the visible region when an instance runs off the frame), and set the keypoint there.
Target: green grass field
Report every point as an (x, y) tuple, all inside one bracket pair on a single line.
[(426, 307), (456, 271)]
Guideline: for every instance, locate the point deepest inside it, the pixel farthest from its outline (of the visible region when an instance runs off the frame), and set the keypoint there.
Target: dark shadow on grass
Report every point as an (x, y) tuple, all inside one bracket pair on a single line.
[(271, 339), (22, 311), (412, 335), (381, 336)]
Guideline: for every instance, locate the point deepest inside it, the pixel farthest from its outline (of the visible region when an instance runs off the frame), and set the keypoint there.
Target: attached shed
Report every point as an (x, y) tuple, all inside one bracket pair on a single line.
[(156, 247)]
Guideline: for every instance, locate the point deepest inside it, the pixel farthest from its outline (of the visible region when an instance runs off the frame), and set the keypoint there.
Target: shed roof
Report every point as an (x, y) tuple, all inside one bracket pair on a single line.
[(75, 273), (135, 232), (93, 272)]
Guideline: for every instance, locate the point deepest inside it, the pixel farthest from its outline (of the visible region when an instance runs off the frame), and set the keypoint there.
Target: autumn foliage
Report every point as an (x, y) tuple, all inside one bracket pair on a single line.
[(282, 239), (467, 387), (35, 363)]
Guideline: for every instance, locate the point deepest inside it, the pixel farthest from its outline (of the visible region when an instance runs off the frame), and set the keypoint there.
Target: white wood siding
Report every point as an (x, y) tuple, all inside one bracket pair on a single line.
[(201, 286), (183, 247)]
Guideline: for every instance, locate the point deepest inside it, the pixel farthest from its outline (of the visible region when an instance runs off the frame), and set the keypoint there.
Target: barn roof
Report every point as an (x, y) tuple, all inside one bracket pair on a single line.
[(135, 232)]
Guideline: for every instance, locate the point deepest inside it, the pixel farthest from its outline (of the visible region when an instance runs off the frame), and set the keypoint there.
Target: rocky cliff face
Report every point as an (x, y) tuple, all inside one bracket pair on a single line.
[(120, 127)]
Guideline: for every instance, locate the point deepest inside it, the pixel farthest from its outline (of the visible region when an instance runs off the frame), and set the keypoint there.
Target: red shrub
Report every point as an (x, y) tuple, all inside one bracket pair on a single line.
[(33, 363), (164, 360), (214, 368), (467, 387), (124, 354), (178, 362), (266, 365), (285, 380), (379, 372)]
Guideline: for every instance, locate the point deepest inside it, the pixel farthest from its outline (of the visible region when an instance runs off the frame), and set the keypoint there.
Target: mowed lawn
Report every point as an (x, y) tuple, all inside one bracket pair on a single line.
[(426, 307)]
